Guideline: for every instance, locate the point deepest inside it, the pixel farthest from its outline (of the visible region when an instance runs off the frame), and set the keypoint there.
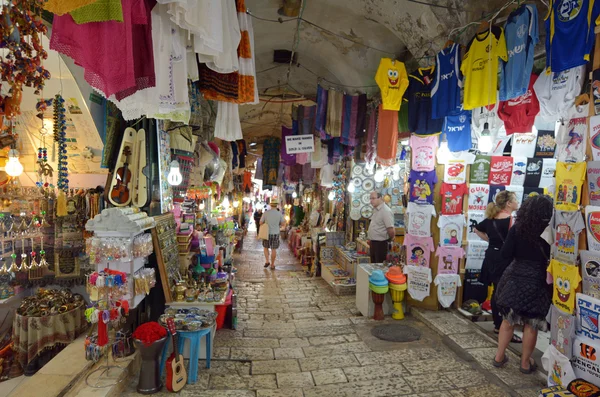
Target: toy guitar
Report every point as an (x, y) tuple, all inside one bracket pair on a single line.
[(176, 375), (120, 191)]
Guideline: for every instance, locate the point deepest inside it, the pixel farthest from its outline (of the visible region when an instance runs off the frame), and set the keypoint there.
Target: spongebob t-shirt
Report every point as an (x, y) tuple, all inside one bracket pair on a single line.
[(566, 279), (567, 225), (569, 178), (392, 79)]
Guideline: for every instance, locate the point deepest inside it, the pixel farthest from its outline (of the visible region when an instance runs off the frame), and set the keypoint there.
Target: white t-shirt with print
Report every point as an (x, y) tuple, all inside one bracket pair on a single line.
[(447, 285), (419, 219), (560, 371), (418, 281), (523, 145), (451, 229), (455, 170), (572, 136), (556, 92)]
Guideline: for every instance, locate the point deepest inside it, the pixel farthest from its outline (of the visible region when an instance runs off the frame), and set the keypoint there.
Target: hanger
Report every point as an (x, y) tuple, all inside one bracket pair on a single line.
[(448, 44), (483, 26), (582, 99)]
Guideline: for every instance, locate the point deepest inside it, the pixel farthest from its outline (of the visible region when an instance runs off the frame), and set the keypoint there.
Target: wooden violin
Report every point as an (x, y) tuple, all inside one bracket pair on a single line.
[(120, 192)]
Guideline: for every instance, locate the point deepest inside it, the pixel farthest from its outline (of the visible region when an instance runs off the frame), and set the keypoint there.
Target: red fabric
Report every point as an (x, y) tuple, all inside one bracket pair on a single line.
[(102, 332), (519, 113), (500, 170), (149, 332)]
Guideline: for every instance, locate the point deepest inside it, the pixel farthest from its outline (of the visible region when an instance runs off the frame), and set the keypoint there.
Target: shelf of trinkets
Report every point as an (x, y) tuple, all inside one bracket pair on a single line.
[(127, 220)]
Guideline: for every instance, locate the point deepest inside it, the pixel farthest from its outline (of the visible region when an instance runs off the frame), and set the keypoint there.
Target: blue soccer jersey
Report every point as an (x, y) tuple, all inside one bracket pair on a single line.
[(445, 93), (457, 128)]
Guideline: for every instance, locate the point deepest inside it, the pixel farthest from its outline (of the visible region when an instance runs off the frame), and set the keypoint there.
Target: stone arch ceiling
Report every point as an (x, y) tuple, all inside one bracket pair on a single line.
[(403, 29)]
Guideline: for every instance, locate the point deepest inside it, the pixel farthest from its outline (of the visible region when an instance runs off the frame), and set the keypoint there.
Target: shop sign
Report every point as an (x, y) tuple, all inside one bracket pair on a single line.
[(585, 355), (300, 144)]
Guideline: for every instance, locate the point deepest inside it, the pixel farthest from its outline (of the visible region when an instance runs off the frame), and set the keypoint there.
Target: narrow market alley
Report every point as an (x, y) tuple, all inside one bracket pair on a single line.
[(296, 338)]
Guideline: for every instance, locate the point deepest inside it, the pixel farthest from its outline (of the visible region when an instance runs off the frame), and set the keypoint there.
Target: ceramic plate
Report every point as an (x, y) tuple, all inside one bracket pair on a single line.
[(366, 198), (396, 191), (357, 170), (356, 203), (378, 185), (368, 184), (367, 211), (355, 214), (357, 181)]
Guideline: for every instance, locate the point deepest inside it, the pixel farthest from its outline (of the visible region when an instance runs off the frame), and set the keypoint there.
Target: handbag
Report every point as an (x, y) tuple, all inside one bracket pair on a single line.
[(263, 232)]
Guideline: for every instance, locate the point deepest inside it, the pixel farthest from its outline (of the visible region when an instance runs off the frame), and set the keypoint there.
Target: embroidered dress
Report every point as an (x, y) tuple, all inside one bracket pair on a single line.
[(270, 163)]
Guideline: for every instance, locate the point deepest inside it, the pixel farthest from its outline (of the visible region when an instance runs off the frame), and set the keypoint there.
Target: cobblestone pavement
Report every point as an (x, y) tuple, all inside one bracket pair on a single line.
[(296, 338)]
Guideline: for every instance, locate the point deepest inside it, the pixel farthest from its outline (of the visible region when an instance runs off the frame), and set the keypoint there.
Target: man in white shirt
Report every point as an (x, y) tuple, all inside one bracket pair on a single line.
[(381, 229)]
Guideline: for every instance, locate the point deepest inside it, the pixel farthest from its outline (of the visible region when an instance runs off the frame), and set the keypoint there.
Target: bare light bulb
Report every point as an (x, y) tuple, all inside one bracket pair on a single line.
[(225, 203), (443, 152), (331, 195), (201, 206), (294, 195), (379, 175), (174, 178), (13, 166), (236, 204), (351, 188), (485, 141)]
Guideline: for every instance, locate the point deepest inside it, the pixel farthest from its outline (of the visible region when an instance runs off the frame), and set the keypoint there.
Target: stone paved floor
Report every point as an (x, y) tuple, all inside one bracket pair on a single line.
[(296, 338)]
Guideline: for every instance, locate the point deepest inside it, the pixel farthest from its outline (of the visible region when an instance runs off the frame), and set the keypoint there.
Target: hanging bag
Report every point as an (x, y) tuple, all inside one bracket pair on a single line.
[(263, 232)]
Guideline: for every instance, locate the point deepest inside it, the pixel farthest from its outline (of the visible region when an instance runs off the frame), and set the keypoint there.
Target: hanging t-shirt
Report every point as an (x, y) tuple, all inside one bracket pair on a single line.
[(486, 114), (545, 144), (456, 167), (451, 229), (518, 191), (474, 218), (567, 20), (556, 91), (478, 197), (418, 281), (592, 225), (521, 31), (519, 170), (419, 219), (423, 152), (419, 103), (418, 250), (476, 254), (392, 80), (548, 171), (480, 67), (593, 178), (452, 198), (447, 285), (566, 279), (500, 170), (569, 178), (519, 113), (590, 269), (457, 127), (595, 137), (445, 94), (567, 225), (571, 136), (421, 186), (559, 369), (480, 170), (562, 330), (523, 145), (448, 259), (533, 172), (494, 191)]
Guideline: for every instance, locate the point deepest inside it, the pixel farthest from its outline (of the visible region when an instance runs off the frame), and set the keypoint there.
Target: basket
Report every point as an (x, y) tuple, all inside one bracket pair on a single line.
[(343, 289)]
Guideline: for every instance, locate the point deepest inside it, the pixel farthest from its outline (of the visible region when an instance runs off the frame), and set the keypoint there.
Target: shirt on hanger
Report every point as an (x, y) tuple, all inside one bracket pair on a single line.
[(559, 369), (557, 91), (418, 250), (595, 137), (566, 279), (519, 170), (457, 127), (392, 80), (478, 197), (423, 152), (452, 198), (545, 144), (500, 170), (569, 178), (448, 259), (523, 144), (486, 114), (548, 171), (447, 285), (480, 67), (480, 169), (419, 103), (590, 269), (593, 173), (419, 219), (562, 330), (475, 221), (421, 186), (456, 166), (521, 32), (533, 172), (445, 94), (572, 135), (451, 229), (519, 113), (418, 281), (566, 225)]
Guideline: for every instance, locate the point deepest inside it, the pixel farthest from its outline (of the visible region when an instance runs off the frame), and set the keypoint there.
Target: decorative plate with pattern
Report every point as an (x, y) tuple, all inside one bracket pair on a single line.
[(356, 203), (327, 253), (396, 191), (357, 181), (357, 170), (378, 185), (366, 198), (367, 211), (368, 184), (355, 214)]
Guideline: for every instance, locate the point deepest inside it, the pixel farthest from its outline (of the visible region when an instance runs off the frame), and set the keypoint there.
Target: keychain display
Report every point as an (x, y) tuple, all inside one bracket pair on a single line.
[(144, 280), (142, 245)]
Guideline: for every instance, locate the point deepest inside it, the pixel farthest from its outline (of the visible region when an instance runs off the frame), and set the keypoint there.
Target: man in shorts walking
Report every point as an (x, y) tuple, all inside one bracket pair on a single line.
[(274, 219)]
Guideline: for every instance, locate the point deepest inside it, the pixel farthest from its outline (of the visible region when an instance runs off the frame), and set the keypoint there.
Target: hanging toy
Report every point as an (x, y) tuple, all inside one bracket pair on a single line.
[(33, 264), (60, 137)]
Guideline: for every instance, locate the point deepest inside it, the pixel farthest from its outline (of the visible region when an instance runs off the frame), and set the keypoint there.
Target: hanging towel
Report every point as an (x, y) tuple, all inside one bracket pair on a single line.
[(387, 137)]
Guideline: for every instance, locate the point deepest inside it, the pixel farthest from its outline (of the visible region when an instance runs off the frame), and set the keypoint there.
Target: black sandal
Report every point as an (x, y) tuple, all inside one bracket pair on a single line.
[(532, 367), (267, 264), (500, 364)]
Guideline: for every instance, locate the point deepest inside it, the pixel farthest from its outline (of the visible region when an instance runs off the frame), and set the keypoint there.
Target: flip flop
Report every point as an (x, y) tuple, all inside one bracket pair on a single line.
[(501, 363), (266, 264), (516, 339), (532, 368)]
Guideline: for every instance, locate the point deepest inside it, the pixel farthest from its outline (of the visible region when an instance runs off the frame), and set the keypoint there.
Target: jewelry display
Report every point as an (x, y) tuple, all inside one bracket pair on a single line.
[(60, 136)]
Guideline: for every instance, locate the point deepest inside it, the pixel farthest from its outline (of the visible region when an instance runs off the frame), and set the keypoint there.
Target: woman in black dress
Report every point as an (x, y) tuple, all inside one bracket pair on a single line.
[(523, 295), (494, 229)]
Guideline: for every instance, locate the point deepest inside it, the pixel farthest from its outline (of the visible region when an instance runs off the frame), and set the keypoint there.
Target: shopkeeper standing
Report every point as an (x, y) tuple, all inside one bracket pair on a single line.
[(381, 229)]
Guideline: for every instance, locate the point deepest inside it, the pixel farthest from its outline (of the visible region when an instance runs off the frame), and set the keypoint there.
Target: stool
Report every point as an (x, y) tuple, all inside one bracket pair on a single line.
[(194, 338)]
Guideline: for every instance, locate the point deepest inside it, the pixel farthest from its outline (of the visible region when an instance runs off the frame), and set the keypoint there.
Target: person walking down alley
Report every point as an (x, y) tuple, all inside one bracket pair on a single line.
[(381, 231), (257, 216), (274, 219)]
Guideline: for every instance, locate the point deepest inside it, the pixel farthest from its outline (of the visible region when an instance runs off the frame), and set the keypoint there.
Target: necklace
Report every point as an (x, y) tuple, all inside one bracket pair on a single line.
[(60, 137)]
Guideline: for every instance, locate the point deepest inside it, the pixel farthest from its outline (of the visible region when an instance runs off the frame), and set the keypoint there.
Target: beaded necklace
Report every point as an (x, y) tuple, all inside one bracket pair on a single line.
[(60, 137)]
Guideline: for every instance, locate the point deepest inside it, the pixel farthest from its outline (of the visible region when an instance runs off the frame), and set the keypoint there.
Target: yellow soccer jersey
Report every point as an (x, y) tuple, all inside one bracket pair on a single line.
[(480, 67), (566, 279), (392, 79)]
